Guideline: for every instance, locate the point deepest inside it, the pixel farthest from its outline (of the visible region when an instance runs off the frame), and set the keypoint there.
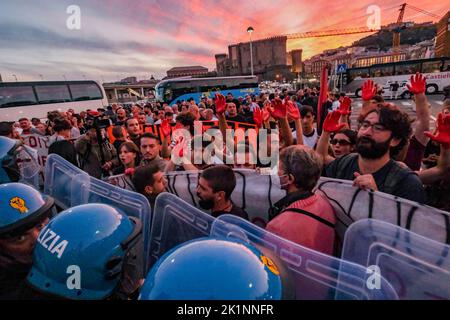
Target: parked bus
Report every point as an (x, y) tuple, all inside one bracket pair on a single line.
[(436, 70), (172, 90), (35, 99)]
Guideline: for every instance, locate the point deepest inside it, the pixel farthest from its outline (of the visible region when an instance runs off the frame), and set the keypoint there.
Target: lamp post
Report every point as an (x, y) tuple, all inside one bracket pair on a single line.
[(15, 77), (250, 31)]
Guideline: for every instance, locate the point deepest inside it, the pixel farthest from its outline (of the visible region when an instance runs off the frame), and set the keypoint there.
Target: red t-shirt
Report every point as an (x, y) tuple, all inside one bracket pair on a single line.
[(305, 230)]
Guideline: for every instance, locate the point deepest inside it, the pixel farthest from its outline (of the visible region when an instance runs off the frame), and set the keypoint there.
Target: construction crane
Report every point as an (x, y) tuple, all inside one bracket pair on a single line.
[(328, 33), (398, 26), (338, 32)]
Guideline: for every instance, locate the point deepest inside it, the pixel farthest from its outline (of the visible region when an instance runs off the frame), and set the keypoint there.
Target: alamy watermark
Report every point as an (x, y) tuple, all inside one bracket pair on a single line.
[(73, 22), (374, 20), (242, 148), (373, 282)]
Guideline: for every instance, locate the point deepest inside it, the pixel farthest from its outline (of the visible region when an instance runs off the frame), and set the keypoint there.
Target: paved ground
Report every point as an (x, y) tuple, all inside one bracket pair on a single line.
[(436, 102)]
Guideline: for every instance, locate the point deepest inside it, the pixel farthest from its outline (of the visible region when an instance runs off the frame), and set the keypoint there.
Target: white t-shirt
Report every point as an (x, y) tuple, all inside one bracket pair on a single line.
[(311, 140)]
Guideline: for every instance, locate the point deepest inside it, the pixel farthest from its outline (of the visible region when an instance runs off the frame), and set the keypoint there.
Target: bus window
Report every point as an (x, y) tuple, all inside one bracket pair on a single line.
[(431, 66), (381, 71), (407, 68), (357, 73), (85, 91), (52, 93), (16, 96)]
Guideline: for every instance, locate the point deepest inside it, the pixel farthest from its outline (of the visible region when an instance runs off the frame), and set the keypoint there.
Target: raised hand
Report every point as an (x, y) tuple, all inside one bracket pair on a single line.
[(369, 90), (220, 103), (278, 110), (344, 108), (331, 123), (443, 130), (292, 110), (418, 84), (165, 128), (258, 117)]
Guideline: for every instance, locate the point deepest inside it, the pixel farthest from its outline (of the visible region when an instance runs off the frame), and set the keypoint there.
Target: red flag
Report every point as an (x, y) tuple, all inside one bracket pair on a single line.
[(323, 93)]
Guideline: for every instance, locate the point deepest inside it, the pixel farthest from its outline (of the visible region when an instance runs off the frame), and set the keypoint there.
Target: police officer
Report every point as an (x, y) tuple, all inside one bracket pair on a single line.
[(213, 269), (88, 252), (23, 213)]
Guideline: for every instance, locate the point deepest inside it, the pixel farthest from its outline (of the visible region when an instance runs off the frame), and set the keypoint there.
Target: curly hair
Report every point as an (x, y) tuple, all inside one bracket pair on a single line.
[(395, 120)]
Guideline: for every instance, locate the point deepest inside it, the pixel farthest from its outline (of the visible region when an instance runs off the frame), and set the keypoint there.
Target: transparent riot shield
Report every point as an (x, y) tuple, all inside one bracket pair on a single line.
[(311, 275), (175, 221), (353, 204), (59, 174), (86, 189), (254, 192), (417, 267)]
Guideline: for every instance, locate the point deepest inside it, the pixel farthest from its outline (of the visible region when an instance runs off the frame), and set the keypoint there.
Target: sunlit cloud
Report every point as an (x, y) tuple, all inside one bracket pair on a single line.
[(147, 37)]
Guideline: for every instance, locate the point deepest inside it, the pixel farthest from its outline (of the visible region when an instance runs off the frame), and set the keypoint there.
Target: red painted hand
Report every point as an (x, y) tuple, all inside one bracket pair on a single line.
[(220, 103), (292, 110), (278, 110), (443, 128), (418, 84), (344, 108), (369, 90), (258, 117), (165, 128), (331, 123)]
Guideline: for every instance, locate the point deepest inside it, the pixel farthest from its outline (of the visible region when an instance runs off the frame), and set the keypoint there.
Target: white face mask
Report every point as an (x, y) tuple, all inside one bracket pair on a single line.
[(276, 179)]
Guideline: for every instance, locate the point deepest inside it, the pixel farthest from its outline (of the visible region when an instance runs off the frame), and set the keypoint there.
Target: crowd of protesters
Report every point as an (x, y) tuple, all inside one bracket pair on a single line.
[(389, 152)]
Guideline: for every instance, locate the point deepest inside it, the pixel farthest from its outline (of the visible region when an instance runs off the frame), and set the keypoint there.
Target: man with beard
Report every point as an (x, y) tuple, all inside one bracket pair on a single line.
[(134, 131), (215, 186), (383, 132), (22, 215), (150, 146), (121, 117)]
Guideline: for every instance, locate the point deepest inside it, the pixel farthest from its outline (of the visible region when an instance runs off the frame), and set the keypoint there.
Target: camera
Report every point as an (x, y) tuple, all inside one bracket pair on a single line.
[(96, 122)]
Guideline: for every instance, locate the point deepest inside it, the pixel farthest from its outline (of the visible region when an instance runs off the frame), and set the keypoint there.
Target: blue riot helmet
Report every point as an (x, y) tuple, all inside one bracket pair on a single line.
[(88, 252), (213, 269), (21, 208), (18, 162)]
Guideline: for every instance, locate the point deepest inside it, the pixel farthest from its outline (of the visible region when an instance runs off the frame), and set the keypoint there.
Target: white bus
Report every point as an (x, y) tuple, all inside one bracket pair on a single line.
[(35, 99), (436, 70)]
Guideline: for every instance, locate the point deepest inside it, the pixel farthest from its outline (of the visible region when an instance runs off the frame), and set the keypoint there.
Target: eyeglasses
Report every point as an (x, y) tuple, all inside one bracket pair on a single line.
[(376, 127), (342, 142)]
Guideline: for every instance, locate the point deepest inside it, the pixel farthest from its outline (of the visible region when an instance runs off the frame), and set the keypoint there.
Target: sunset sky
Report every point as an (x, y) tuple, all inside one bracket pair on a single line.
[(143, 37)]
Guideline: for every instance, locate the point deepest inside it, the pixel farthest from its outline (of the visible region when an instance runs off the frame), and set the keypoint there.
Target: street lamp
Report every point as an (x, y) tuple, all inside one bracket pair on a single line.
[(15, 77), (250, 31), (41, 76)]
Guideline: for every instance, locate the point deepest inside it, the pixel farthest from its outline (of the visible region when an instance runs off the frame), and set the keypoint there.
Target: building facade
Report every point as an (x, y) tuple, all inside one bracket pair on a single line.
[(366, 61), (187, 71), (443, 37), (295, 60), (269, 59)]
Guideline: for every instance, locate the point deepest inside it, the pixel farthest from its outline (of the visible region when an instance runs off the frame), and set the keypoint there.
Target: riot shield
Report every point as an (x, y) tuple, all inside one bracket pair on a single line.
[(59, 174), (174, 222), (86, 189), (255, 193), (417, 267), (352, 204), (312, 275)]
